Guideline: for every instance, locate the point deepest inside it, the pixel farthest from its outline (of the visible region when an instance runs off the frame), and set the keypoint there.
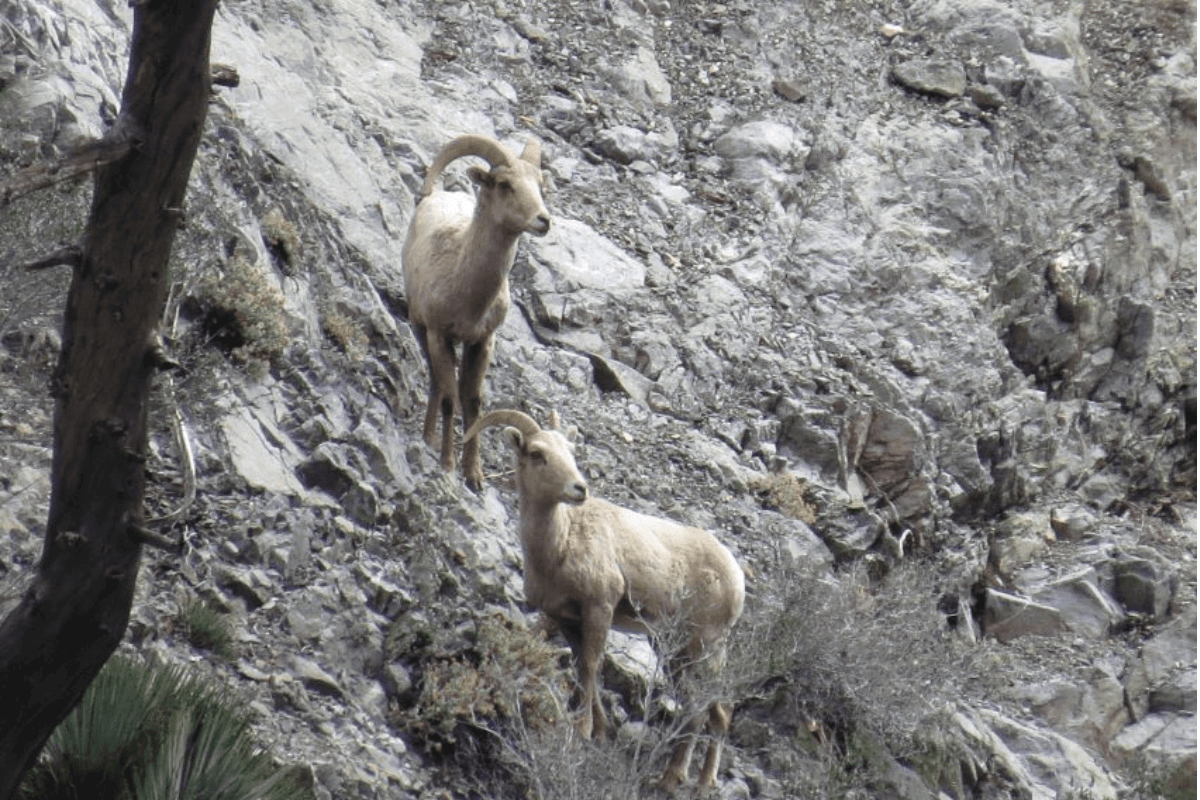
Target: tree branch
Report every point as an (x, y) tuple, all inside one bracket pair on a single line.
[(70, 255), (118, 143), (145, 536)]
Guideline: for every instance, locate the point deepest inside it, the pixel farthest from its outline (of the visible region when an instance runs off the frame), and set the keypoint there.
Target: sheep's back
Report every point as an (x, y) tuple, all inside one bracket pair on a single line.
[(672, 567)]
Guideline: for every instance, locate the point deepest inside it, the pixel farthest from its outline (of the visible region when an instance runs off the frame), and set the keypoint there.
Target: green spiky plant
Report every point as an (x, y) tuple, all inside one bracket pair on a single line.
[(155, 733), (206, 628)]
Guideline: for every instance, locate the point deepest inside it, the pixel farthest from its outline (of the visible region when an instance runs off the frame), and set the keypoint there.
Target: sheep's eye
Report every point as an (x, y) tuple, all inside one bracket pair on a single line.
[(504, 186), (537, 457)]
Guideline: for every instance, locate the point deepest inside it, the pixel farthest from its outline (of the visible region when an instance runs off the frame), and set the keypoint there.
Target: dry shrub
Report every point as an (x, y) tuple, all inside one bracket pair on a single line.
[(508, 677), (853, 665), (281, 236), (787, 494), (244, 312), (348, 335)]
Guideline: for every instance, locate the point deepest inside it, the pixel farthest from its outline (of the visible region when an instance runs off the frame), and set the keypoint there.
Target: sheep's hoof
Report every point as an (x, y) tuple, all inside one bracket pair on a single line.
[(669, 782), (588, 727)]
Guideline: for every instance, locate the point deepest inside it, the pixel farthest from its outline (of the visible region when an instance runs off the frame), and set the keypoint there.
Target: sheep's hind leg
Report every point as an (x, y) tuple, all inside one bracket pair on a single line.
[(676, 772), (719, 717), (715, 715), (470, 397)]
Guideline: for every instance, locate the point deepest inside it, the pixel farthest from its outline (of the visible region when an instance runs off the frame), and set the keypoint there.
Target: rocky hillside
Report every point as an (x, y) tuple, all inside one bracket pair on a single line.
[(895, 296)]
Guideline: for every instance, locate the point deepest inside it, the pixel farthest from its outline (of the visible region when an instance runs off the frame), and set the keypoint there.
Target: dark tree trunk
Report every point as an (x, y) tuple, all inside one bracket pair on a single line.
[(75, 611)]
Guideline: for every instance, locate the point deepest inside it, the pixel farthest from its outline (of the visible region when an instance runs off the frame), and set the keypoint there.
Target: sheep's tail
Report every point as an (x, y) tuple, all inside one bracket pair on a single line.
[(506, 416), (472, 144)]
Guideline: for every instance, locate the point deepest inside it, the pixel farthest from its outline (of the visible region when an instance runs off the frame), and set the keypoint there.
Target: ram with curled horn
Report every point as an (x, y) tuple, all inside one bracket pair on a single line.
[(456, 261), (591, 566)]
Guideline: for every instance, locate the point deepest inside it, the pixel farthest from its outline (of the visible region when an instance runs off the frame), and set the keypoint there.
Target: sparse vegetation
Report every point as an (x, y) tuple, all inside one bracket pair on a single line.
[(1154, 780), (849, 655), (861, 672), (863, 669)]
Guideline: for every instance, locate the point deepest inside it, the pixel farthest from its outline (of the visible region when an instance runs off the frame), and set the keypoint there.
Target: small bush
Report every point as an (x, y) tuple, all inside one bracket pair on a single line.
[(509, 675), (244, 312), (155, 733), (206, 628), (345, 333), (787, 494), (1152, 779), (548, 760), (281, 236), (849, 662)]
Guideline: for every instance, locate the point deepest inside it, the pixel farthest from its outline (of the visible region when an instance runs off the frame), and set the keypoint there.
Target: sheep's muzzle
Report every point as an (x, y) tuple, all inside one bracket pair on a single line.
[(575, 492)]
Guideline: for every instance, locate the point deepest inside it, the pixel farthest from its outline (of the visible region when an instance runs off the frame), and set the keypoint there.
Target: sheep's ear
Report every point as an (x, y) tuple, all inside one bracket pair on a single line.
[(515, 439), (480, 175)]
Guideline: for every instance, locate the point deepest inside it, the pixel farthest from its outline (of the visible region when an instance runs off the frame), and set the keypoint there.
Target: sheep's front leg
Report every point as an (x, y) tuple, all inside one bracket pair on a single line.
[(440, 352), (422, 336), (470, 397), (587, 639)]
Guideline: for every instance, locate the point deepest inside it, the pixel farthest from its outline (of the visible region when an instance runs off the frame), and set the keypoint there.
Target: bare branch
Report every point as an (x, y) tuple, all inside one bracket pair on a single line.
[(149, 538), (118, 143), (70, 255)]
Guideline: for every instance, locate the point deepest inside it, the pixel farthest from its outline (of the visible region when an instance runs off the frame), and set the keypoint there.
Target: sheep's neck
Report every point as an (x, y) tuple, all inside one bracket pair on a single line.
[(544, 532), (487, 257)]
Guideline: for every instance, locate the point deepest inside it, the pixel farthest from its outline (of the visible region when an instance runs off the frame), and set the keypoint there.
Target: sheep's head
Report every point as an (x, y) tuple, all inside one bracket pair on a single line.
[(509, 193), (546, 468)]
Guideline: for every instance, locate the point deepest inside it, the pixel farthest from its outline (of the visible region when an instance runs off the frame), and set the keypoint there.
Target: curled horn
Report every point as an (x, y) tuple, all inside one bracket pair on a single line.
[(532, 152), (518, 419), (472, 144)]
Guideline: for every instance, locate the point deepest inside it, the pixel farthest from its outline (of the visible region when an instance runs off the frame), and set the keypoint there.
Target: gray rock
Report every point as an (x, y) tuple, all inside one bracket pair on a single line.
[(940, 78), (1019, 538), (1083, 606), (1008, 616), (625, 144), (1050, 759), (1071, 524), (1091, 711), (1166, 741), (311, 675), (1162, 676), (642, 80), (1142, 586)]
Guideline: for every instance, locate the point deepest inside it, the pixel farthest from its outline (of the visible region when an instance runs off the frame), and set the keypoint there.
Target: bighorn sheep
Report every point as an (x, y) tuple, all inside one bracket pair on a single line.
[(456, 262), (591, 566)]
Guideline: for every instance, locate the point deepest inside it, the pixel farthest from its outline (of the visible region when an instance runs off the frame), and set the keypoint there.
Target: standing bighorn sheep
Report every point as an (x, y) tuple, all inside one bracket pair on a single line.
[(591, 566), (456, 262)]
